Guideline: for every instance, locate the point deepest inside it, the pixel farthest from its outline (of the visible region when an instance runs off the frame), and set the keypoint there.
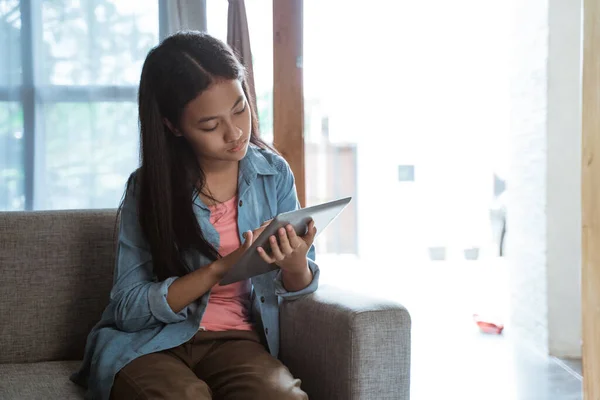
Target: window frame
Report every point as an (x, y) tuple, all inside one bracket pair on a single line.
[(288, 88)]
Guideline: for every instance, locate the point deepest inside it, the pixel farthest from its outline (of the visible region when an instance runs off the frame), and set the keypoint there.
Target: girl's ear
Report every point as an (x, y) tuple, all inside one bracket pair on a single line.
[(171, 128)]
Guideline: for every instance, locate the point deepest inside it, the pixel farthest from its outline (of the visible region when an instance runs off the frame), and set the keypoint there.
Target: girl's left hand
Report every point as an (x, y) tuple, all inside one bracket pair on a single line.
[(290, 253)]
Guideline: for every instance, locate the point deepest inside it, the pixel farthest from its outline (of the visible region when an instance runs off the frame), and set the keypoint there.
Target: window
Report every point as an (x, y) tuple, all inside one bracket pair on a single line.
[(331, 143), (12, 177), (69, 72), (397, 95), (11, 172)]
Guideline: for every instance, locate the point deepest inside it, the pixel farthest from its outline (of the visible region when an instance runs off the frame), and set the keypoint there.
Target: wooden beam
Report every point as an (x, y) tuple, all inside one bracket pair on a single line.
[(288, 94), (591, 200)]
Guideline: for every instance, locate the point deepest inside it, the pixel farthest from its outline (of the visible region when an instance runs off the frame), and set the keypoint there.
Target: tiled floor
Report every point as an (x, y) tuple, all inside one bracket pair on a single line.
[(451, 358)]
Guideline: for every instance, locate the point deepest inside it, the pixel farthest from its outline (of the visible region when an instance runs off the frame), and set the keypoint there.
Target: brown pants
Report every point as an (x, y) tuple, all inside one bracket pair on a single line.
[(231, 365)]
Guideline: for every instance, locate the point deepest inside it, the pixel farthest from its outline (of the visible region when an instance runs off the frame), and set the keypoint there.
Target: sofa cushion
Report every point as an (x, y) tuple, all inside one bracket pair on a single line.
[(56, 270), (43, 381)]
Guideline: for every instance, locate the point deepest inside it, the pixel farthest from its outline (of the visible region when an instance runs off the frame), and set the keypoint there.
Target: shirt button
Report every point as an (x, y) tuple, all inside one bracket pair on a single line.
[(262, 299), (266, 331), (241, 203)]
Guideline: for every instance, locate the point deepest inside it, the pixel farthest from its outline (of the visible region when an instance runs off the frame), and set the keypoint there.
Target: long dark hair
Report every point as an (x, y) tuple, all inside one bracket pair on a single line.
[(174, 73)]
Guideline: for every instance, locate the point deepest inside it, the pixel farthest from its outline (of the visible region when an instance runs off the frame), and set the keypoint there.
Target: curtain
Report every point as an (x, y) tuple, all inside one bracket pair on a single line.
[(179, 15), (238, 37)]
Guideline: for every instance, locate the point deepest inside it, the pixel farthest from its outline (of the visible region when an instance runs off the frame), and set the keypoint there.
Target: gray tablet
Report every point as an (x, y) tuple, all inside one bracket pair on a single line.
[(251, 264)]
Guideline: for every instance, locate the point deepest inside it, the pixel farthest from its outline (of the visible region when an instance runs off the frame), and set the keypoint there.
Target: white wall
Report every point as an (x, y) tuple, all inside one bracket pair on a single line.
[(544, 242), (526, 219), (564, 179)]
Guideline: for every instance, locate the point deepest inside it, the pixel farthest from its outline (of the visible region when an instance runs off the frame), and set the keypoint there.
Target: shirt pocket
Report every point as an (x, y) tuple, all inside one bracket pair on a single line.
[(269, 203), (260, 204)]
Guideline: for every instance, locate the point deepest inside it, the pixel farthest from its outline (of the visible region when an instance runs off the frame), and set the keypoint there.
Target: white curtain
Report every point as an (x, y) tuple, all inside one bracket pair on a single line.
[(184, 15)]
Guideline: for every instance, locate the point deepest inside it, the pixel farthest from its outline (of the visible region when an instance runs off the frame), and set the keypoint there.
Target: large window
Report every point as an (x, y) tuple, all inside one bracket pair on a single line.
[(68, 81), (407, 114)]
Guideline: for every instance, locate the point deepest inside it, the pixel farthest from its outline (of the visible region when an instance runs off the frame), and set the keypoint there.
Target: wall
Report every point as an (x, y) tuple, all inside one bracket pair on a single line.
[(544, 242), (526, 218), (563, 179)]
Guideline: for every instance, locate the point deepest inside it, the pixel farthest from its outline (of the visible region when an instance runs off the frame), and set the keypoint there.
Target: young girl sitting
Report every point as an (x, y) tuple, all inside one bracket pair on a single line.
[(206, 185)]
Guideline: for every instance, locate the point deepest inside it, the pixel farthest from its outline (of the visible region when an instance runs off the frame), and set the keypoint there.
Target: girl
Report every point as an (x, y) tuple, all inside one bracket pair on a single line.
[(170, 331)]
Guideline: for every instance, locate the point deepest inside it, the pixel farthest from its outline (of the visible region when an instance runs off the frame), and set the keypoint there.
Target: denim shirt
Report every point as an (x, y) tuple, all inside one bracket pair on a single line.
[(138, 320)]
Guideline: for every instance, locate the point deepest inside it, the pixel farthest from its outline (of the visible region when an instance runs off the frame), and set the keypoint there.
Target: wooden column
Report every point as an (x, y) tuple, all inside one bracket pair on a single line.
[(288, 99), (591, 201)]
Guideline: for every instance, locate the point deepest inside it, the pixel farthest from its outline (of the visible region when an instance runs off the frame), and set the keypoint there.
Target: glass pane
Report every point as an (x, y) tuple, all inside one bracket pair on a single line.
[(12, 173), (10, 46), (330, 132), (95, 42), (424, 147), (260, 27), (216, 18), (89, 151)]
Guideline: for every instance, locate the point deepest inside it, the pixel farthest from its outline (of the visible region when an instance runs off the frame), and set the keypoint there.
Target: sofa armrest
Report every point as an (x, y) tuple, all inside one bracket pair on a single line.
[(347, 346)]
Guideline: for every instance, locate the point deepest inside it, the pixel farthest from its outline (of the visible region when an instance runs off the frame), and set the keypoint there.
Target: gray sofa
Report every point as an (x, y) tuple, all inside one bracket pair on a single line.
[(55, 275)]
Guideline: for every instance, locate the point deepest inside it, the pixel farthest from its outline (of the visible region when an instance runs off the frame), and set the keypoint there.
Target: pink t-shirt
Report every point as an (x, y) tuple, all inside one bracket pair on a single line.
[(228, 306)]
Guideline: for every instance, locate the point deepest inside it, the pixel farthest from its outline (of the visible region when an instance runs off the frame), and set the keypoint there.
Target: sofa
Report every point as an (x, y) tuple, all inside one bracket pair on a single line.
[(56, 272)]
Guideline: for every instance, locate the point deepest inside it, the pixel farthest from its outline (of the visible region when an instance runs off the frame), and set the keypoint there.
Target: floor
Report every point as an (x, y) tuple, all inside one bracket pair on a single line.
[(448, 349)]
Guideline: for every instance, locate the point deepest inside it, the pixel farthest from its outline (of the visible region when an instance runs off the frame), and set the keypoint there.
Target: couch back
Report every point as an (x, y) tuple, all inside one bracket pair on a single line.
[(55, 277)]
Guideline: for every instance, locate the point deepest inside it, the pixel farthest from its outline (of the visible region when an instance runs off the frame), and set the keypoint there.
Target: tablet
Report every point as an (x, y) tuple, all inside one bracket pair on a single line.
[(251, 264)]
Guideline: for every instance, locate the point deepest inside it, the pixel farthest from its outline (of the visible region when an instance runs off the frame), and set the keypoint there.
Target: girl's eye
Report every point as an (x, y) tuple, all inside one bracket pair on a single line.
[(210, 129), (240, 111)]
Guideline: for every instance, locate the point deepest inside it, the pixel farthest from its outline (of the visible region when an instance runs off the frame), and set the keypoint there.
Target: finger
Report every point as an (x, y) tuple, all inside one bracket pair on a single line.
[(263, 254), (275, 251), (258, 232), (261, 228), (312, 232), (295, 241), (248, 239), (284, 243)]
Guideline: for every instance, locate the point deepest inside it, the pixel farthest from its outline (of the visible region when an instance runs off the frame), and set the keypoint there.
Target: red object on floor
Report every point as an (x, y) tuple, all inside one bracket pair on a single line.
[(487, 326)]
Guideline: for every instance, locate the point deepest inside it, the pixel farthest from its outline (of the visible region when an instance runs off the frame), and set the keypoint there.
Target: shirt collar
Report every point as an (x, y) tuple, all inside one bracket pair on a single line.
[(253, 164)]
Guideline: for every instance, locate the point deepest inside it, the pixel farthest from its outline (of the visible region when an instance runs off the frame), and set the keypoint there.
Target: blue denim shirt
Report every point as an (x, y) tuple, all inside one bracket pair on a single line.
[(138, 319)]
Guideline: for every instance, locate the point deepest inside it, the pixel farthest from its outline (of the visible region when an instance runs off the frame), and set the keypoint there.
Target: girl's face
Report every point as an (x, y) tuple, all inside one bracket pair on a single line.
[(217, 123)]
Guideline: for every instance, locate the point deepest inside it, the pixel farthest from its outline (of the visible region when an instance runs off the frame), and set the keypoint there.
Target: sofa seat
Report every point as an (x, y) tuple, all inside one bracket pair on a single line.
[(39, 381)]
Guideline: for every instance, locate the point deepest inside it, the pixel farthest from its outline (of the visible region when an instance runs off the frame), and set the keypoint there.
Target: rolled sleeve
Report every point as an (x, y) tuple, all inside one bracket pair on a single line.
[(138, 300), (287, 200), (159, 307), (312, 286)]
